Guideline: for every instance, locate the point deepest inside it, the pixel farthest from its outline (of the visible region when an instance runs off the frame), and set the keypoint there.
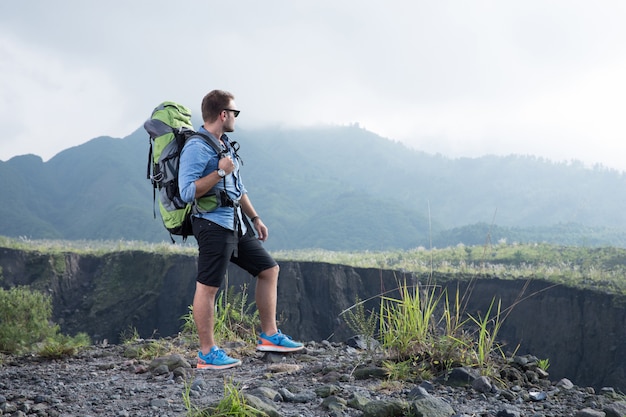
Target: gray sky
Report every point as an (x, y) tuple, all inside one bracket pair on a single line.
[(460, 78)]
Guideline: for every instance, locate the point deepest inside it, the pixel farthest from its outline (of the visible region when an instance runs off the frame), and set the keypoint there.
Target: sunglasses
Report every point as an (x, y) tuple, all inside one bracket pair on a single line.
[(235, 112)]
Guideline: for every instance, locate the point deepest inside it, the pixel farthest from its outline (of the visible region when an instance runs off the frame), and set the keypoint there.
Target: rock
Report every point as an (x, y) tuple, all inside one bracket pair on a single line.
[(261, 405), (482, 384), (171, 362), (417, 393), (272, 357), (370, 372), (427, 385), (288, 368), (358, 401), (160, 370), (159, 403), (565, 384), (334, 403), (326, 390), (589, 412), (431, 407), (362, 342), (542, 373), (508, 412), (460, 377), (266, 392), (389, 408), (198, 385), (617, 409), (181, 372), (508, 394), (537, 395), (305, 396)]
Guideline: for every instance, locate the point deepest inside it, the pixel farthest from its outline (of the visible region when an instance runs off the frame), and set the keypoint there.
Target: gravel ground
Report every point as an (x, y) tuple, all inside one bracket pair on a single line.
[(105, 381)]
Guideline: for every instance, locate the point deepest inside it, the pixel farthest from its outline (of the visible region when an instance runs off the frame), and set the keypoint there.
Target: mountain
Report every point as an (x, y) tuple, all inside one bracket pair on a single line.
[(336, 188)]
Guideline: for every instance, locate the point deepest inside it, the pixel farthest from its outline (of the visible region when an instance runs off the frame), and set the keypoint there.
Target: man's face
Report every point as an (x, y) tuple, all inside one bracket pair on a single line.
[(231, 112)]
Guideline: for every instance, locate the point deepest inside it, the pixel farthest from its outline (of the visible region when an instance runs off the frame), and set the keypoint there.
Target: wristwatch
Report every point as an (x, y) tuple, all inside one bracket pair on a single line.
[(221, 173)]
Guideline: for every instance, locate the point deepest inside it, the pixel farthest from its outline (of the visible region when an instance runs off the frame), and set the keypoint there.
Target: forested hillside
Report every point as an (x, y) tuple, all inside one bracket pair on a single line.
[(338, 188)]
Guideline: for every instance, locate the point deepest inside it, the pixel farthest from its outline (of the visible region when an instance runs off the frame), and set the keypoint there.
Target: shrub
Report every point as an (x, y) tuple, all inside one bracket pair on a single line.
[(233, 404), (24, 319), (235, 317), (61, 345)]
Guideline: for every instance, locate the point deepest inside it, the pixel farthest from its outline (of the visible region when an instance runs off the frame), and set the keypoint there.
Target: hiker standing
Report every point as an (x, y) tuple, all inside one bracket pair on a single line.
[(223, 232)]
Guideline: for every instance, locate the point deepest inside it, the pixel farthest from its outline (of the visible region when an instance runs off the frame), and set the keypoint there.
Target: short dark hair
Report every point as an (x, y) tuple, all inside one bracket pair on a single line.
[(214, 103)]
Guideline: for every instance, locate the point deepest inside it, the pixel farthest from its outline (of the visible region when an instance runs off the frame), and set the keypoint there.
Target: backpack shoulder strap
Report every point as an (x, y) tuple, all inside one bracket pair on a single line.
[(212, 142)]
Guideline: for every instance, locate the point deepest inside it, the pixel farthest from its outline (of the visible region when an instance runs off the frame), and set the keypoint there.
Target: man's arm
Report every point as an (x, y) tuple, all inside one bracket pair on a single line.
[(204, 184), (193, 162), (248, 210)]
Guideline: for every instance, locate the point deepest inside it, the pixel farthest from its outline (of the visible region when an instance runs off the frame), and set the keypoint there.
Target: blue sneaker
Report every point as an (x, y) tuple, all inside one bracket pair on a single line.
[(216, 359), (278, 343)]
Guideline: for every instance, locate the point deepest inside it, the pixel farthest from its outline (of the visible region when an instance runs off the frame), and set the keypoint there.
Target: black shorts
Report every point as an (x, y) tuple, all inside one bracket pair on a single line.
[(216, 247)]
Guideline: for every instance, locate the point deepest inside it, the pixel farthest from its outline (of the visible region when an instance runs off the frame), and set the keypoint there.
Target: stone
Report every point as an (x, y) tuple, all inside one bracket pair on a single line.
[(288, 368), (334, 403), (482, 384), (362, 342), (198, 384), (431, 407), (266, 392), (565, 383), (459, 377), (391, 408), (617, 409), (589, 412), (159, 403), (171, 362), (537, 395), (161, 369), (181, 372), (417, 393), (261, 405), (326, 390), (305, 396), (370, 372), (508, 412), (358, 401)]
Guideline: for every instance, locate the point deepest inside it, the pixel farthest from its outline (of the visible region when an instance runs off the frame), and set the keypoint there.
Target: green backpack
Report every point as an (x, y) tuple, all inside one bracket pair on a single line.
[(169, 128)]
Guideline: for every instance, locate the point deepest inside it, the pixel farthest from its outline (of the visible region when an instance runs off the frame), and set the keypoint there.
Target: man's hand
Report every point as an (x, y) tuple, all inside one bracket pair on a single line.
[(261, 229)]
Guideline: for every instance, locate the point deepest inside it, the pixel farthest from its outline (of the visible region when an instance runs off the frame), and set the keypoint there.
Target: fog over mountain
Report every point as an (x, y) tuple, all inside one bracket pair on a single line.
[(336, 188)]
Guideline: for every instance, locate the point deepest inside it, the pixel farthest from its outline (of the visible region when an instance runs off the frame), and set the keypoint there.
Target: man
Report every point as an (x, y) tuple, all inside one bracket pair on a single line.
[(222, 232)]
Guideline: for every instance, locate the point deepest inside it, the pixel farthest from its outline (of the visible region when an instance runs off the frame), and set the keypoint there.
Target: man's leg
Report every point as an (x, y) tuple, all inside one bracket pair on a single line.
[(265, 297), (271, 339), (254, 258), (215, 246), (204, 315)]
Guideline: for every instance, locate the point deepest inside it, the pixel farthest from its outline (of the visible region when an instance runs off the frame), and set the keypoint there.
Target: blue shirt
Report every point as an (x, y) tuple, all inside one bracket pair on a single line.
[(198, 159)]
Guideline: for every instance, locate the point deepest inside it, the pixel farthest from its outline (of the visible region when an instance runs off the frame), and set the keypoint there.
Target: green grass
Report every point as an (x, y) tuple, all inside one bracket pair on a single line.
[(95, 247), (236, 318), (543, 364), (60, 345), (594, 268), (423, 333), (232, 404)]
